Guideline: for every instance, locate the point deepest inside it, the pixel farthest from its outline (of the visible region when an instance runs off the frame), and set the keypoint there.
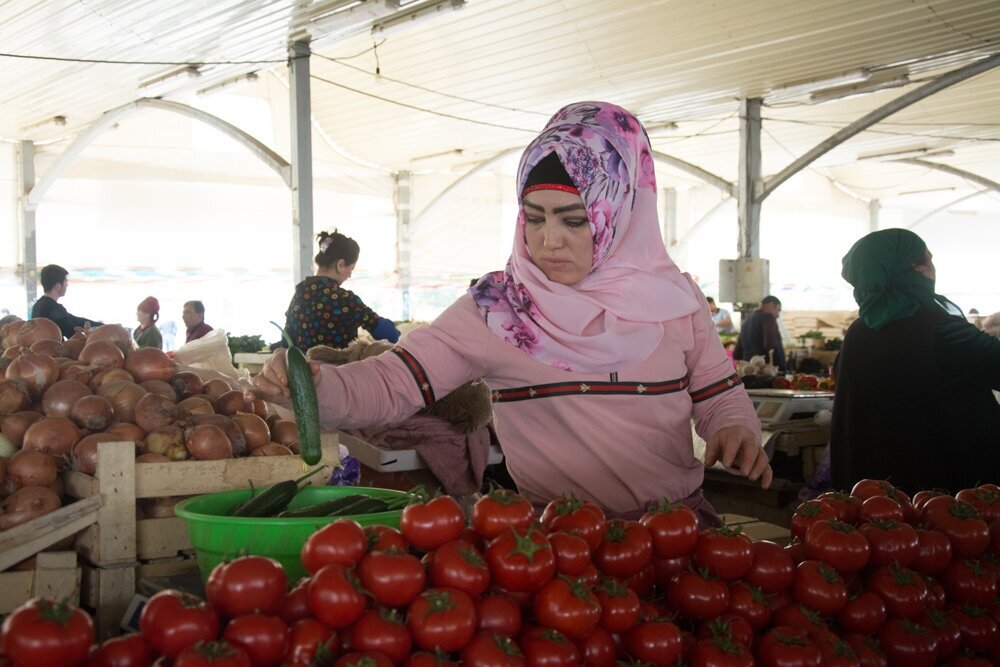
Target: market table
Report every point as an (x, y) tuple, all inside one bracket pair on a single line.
[(251, 361)]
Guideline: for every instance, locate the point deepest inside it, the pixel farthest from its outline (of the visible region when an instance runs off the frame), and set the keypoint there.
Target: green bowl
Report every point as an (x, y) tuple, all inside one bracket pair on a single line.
[(216, 536)]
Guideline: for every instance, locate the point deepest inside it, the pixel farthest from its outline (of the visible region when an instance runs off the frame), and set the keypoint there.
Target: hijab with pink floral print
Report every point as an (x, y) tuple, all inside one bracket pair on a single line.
[(613, 318)]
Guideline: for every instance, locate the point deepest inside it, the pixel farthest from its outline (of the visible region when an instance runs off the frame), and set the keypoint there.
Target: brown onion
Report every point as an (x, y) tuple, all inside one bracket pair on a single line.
[(260, 408), (103, 376), (228, 426), (55, 435), (59, 399), (160, 387), (285, 432), (14, 351), (254, 429), (38, 371), (70, 369), (103, 354), (27, 503), (85, 451), (168, 441), (206, 442), (216, 387), (150, 457), (112, 333), (13, 426), (123, 396), (232, 402), (150, 363), (128, 432), (53, 348), (187, 384), (271, 449), (14, 396), (93, 413), (196, 405), (74, 346), (32, 468), (36, 329), (153, 411), (8, 333), (159, 508)]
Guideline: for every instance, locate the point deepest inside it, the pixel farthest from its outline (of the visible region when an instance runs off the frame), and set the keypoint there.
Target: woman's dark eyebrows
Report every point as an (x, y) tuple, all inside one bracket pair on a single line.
[(571, 207), (530, 205)]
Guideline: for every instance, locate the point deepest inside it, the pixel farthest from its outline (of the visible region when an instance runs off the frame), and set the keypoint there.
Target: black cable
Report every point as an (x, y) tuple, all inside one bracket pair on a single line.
[(149, 62)]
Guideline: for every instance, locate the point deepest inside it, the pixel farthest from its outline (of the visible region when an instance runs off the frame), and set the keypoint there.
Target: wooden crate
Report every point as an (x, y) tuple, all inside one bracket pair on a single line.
[(118, 544), (56, 575)]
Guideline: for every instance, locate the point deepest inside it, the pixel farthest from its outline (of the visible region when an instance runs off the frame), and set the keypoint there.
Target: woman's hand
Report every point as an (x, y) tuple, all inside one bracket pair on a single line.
[(271, 384), (738, 445)]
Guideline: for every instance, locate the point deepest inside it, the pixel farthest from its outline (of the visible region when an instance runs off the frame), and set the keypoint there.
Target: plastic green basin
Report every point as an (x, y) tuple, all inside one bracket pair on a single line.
[(216, 536)]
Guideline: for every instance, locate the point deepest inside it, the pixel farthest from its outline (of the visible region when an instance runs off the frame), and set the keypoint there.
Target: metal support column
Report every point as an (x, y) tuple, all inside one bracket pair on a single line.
[(403, 238), (749, 184), (874, 206), (669, 217), (29, 261), (302, 185)]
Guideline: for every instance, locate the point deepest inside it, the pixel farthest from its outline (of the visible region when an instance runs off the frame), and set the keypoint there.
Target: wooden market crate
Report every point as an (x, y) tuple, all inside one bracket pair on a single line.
[(117, 545), (56, 575)]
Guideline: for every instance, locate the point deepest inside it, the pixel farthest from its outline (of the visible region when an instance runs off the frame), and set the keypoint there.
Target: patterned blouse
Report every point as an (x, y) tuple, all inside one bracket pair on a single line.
[(324, 313)]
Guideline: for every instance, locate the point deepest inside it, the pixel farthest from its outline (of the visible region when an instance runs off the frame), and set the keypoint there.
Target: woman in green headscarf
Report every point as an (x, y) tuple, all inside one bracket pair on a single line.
[(914, 379)]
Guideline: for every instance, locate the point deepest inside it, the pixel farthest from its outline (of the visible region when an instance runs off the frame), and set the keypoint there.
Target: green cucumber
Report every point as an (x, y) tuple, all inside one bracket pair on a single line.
[(366, 505), (274, 499), (321, 509), (304, 403)]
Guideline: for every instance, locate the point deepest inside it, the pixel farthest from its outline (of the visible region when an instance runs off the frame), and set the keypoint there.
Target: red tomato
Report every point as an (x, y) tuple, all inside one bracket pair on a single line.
[(428, 660), (698, 596), (127, 651), (907, 643), (656, 641), (247, 585), (306, 637), (545, 646), (363, 659), (729, 626), (619, 605), (626, 549), (933, 552), (968, 581), (394, 578), (295, 606), (521, 561), (881, 508), (986, 502), (748, 601), (772, 569), (171, 621), (797, 550), (44, 632), (577, 517), (568, 606), (718, 652), (591, 576), (935, 593), (335, 598), (946, 631), (442, 618), (501, 509), (212, 654), (664, 569), (498, 613), (383, 538), (782, 646), (920, 499), (458, 565), (643, 582), (429, 525), (903, 591), (342, 542), (864, 613), (866, 488), (807, 514), (491, 649), (979, 630), (800, 618), (572, 553), (834, 651), (673, 527), (598, 649), (725, 552), (264, 638), (846, 506), (838, 545), (868, 650), (819, 586), (968, 534), (382, 630)]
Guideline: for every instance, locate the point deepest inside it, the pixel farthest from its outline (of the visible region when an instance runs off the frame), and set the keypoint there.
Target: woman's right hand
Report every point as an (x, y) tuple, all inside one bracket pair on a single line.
[(271, 384)]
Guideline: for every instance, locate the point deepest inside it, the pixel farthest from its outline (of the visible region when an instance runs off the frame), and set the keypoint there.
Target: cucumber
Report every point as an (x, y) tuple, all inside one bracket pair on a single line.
[(303, 390), (366, 505), (274, 499), (322, 509)]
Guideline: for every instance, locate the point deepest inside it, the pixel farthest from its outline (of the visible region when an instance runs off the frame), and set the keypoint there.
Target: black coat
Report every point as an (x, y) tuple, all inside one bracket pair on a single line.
[(914, 404)]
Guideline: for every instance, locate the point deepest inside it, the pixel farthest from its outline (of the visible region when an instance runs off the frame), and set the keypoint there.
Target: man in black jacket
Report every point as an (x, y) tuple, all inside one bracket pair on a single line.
[(55, 280), (760, 334)]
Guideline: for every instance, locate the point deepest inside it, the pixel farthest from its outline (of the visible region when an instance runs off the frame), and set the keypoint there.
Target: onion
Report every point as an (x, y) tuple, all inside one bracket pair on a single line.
[(13, 352), (236, 438), (61, 396), (13, 426), (85, 451), (153, 411), (150, 363), (39, 328), (254, 429), (232, 402), (187, 384), (70, 369), (216, 387), (113, 333), (127, 432), (27, 503), (38, 371), (105, 375), (93, 413), (260, 408), (32, 468), (9, 333), (150, 457), (53, 348), (123, 396), (4, 363), (14, 396), (74, 346), (160, 387), (159, 508), (103, 354), (272, 449), (55, 435), (207, 442), (285, 432), (168, 441), (196, 405)]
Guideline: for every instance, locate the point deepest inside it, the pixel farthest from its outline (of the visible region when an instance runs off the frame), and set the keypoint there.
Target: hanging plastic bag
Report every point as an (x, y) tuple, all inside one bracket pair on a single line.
[(209, 358)]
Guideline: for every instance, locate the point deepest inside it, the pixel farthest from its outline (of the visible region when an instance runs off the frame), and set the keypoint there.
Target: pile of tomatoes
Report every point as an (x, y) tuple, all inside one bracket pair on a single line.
[(871, 578)]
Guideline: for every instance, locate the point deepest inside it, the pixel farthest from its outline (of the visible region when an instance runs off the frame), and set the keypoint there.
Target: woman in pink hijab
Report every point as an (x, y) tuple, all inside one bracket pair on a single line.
[(598, 351)]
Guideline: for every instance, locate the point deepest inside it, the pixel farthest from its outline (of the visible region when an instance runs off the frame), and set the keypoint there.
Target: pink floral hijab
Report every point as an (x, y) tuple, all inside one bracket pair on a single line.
[(613, 318)]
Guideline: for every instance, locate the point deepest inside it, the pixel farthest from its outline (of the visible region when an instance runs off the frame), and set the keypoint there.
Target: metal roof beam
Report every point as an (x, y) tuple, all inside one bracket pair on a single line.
[(696, 171), (955, 171)]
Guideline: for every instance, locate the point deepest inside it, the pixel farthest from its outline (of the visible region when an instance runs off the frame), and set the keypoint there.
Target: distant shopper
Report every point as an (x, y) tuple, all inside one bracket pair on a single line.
[(760, 333), (194, 319), (721, 317), (146, 334), (55, 281)]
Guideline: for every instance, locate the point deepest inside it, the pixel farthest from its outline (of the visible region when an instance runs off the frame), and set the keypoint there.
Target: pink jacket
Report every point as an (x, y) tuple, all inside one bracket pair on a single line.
[(621, 439)]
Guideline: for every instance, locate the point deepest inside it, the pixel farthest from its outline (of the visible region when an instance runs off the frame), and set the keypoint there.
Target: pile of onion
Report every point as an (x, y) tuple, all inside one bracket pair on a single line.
[(27, 503), (37, 371)]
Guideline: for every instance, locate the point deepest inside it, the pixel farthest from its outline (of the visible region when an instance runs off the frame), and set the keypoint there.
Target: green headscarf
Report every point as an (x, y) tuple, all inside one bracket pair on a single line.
[(886, 287)]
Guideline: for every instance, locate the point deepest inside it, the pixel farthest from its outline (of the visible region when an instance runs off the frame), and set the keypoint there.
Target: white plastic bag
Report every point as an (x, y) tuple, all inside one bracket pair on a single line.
[(209, 358)]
